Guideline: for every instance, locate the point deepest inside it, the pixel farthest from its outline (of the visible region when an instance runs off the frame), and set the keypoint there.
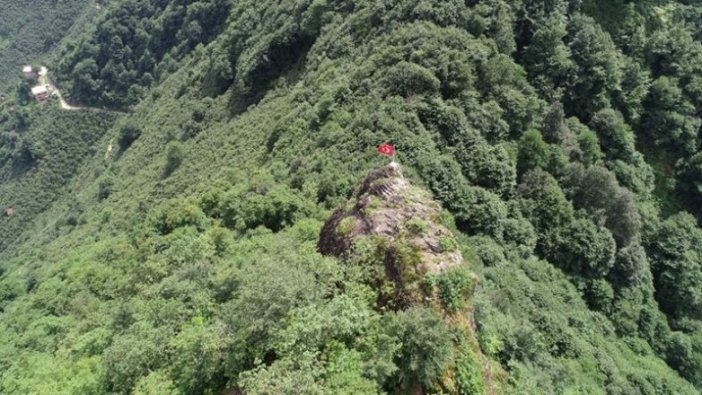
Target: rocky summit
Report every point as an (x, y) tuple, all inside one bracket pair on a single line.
[(397, 223)]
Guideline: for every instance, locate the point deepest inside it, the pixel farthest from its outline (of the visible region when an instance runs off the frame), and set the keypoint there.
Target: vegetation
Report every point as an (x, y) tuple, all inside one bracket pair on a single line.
[(562, 139)]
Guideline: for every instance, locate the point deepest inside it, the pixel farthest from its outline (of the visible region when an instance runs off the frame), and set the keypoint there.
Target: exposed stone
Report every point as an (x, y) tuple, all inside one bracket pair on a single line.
[(387, 212)]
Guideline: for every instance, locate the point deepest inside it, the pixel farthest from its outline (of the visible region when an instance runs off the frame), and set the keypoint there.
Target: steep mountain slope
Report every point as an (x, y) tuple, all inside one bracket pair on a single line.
[(186, 262)]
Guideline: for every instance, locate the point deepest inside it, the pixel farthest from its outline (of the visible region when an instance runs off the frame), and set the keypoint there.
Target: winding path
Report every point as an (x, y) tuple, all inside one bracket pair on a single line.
[(46, 81)]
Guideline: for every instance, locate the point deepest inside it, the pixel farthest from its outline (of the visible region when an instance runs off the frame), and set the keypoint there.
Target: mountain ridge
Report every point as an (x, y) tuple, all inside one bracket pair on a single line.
[(197, 239)]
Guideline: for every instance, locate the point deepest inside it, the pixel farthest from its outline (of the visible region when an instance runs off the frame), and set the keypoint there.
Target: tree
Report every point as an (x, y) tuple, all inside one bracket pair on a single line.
[(631, 266), (635, 85), (407, 79), (199, 354), (554, 127), (588, 142), (542, 201), (670, 119), (676, 254), (175, 153), (263, 295), (547, 58), (128, 133), (479, 211), (488, 166), (616, 137), (690, 175), (533, 152), (597, 70), (597, 191), (580, 248), (684, 353), (426, 346), (134, 355), (156, 383)]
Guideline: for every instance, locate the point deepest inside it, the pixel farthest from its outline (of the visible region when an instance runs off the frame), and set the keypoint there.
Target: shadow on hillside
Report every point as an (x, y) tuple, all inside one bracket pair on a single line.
[(282, 62)]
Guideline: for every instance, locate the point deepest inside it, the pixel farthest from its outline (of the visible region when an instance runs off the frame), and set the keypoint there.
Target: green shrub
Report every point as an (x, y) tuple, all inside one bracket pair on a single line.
[(275, 208), (128, 134), (176, 214), (406, 79), (448, 244), (105, 188), (417, 226), (175, 153), (488, 251), (454, 288), (426, 346), (345, 227), (469, 372), (533, 152)]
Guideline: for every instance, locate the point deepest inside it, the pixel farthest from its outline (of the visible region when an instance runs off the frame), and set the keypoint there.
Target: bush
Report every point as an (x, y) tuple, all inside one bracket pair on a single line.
[(175, 153), (489, 252), (176, 214), (468, 373), (479, 211), (533, 152), (616, 137), (599, 295), (519, 231), (407, 79), (580, 248), (416, 226), (489, 167), (426, 346), (454, 288), (128, 134), (105, 187), (275, 209)]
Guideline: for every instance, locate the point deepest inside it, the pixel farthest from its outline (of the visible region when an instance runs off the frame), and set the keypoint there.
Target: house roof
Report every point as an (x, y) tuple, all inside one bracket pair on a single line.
[(39, 89), (27, 69)]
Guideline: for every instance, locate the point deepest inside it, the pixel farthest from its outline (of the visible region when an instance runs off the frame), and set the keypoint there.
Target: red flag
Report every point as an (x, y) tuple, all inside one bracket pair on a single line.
[(386, 149)]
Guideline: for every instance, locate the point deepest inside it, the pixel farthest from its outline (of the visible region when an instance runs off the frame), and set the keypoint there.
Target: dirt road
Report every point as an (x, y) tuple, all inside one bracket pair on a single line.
[(46, 81)]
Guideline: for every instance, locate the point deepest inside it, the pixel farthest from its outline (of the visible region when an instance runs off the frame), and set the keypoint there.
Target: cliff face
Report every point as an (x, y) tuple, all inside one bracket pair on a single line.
[(391, 222)]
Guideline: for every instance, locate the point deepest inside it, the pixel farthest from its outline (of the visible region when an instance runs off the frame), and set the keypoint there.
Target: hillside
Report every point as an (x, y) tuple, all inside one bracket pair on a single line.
[(243, 235)]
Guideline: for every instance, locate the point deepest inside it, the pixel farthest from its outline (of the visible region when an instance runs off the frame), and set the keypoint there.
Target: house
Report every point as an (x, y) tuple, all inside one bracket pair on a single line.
[(40, 93), (9, 211), (29, 72)]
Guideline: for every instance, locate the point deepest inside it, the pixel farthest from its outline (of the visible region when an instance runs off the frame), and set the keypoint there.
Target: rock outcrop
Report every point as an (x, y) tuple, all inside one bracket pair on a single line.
[(393, 234), (390, 221)]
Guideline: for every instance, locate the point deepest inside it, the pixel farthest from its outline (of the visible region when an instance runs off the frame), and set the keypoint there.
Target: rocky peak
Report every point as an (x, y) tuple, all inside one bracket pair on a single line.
[(394, 228)]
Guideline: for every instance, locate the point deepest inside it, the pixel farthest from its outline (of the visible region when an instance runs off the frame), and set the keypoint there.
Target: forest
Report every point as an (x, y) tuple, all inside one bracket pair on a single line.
[(182, 245)]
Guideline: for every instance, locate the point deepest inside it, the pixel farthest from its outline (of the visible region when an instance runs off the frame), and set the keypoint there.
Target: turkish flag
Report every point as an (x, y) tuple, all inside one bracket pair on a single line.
[(386, 149)]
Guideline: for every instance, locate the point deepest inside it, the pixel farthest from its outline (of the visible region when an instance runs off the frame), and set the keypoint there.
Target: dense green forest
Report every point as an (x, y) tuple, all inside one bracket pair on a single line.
[(211, 239)]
